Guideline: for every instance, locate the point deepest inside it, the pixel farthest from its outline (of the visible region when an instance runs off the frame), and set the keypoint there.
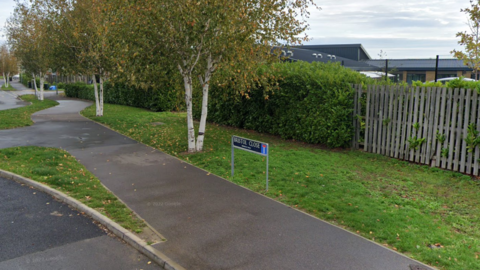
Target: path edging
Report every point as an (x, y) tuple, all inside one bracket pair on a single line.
[(136, 242)]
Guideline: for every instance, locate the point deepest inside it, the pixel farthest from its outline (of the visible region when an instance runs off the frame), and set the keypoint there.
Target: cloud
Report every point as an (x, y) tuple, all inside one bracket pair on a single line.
[(6, 10), (402, 28), (407, 28)]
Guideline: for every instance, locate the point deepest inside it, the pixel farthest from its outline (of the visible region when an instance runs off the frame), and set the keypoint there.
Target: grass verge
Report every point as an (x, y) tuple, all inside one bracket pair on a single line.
[(21, 117), (426, 213), (9, 88), (61, 171)]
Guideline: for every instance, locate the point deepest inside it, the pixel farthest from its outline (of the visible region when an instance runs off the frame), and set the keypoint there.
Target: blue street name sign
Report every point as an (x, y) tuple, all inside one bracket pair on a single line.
[(250, 145), (259, 148)]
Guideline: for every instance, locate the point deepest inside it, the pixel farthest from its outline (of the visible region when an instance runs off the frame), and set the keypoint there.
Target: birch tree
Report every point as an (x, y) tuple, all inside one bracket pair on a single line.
[(200, 36), (470, 39), (28, 37), (80, 33), (92, 21), (8, 63)]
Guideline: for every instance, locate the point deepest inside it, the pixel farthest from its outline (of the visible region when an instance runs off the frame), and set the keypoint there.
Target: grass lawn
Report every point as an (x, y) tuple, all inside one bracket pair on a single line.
[(61, 171), (426, 213), (20, 117), (9, 88)]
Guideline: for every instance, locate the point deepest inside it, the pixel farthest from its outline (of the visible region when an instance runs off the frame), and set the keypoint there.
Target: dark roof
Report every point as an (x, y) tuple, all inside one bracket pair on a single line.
[(421, 64), (350, 51), (307, 56)]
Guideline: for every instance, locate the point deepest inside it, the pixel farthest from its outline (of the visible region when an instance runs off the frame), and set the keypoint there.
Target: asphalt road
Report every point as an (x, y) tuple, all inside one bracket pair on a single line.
[(39, 233)]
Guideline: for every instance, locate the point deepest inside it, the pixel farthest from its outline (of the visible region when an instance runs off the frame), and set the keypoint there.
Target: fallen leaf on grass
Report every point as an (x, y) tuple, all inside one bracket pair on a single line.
[(436, 245)]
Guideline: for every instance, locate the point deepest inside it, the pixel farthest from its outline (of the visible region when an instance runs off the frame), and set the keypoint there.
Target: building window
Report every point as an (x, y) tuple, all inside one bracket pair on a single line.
[(441, 76), (415, 77)]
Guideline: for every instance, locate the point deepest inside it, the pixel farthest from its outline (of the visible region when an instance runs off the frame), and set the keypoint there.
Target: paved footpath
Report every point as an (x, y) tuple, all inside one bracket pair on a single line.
[(39, 233), (11, 100), (209, 223)]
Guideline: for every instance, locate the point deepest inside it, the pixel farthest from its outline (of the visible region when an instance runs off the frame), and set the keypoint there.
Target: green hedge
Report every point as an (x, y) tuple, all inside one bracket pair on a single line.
[(455, 83), (313, 103), (26, 78), (122, 94)]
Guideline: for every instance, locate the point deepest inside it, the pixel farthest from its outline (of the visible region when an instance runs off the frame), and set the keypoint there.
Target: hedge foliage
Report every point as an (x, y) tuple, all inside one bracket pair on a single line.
[(155, 99), (312, 102), (455, 83), (26, 78)]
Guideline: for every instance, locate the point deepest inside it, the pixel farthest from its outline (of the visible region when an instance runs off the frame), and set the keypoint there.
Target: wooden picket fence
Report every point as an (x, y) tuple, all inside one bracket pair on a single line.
[(434, 126)]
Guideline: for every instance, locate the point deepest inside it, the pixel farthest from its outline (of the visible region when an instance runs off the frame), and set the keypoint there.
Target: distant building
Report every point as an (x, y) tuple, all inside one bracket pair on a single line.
[(409, 70), (354, 56), (351, 51), (307, 55)]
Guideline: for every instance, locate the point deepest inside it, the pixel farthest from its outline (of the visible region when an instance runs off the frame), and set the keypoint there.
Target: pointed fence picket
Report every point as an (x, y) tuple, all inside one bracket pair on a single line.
[(423, 125)]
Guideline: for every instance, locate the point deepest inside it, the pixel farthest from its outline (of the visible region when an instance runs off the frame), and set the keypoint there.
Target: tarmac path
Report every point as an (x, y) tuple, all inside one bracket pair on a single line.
[(11, 99), (209, 222)]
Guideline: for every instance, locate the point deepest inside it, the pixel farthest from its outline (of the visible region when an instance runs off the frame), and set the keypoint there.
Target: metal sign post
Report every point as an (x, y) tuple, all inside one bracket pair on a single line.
[(252, 146)]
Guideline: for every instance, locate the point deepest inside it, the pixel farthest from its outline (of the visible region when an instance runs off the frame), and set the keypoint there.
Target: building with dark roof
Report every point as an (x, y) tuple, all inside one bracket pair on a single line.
[(354, 56), (307, 55), (354, 52), (423, 70)]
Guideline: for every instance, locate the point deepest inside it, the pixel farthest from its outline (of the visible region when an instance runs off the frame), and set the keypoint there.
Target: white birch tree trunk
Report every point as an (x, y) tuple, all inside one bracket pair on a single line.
[(203, 119), (187, 79), (7, 79), (42, 81), (4, 79), (100, 97), (97, 100), (35, 85)]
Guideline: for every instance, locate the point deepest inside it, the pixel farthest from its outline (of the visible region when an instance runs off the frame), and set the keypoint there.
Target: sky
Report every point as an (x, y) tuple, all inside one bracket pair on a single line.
[(399, 28)]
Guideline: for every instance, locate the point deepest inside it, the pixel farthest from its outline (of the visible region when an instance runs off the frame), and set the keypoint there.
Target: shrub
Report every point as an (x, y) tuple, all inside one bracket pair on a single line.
[(427, 84), (460, 83), (25, 78), (119, 93), (312, 103), (80, 90)]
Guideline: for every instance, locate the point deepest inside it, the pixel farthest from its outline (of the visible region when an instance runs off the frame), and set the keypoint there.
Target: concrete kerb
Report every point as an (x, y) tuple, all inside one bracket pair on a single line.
[(136, 242)]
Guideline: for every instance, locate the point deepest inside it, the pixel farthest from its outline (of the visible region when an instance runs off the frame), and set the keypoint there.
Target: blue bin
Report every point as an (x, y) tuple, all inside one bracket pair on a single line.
[(53, 87)]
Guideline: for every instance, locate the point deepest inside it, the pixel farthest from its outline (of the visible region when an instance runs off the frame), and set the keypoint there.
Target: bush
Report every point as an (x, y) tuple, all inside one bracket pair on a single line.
[(80, 90), (119, 93), (460, 83), (25, 79), (312, 103), (455, 83), (427, 84)]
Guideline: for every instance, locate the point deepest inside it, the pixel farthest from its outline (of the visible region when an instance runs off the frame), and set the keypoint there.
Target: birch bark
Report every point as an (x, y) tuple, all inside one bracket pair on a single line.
[(97, 101), (6, 79), (35, 84), (100, 97), (205, 82), (187, 79), (42, 80)]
